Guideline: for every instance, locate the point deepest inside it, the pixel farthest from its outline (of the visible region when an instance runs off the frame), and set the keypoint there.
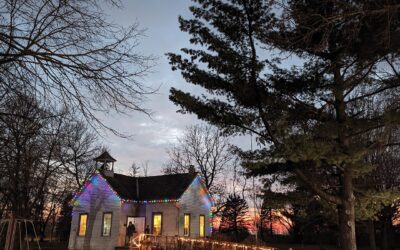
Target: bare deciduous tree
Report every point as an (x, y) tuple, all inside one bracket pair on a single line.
[(134, 170), (139, 169), (145, 168), (204, 148), (29, 143), (68, 53), (384, 178), (44, 156), (77, 151)]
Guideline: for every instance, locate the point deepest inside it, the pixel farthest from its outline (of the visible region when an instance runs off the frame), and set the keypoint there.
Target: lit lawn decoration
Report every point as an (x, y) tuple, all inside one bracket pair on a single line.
[(148, 241), (214, 244)]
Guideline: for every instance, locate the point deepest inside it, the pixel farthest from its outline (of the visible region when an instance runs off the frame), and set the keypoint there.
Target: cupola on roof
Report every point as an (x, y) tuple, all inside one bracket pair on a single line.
[(105, 157)]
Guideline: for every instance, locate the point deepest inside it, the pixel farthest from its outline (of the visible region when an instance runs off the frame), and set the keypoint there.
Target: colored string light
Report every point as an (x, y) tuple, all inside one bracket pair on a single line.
[(97, 175), (224, 244), (138, 240)]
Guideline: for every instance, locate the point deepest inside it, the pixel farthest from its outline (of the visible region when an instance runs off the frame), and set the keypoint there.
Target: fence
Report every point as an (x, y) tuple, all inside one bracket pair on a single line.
[(152, 242)]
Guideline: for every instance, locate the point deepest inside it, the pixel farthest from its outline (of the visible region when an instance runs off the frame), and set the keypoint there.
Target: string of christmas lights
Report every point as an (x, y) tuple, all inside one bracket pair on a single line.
[(97, 175), (137, 241), (203, 185), (210, 222), (210, 214), (152, 201), (144, 239), (225, 244), (92, 179)]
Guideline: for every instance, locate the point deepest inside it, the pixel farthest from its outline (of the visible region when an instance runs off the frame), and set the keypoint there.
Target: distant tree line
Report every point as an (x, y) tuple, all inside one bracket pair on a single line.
[(62, 63), (46, 155)]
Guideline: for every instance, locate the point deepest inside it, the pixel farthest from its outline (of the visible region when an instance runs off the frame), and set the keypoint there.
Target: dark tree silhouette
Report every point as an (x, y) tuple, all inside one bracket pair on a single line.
[(313, 119), (79, 146), (64, 220), (204, 148), (67, 53), (234, 217), (38, 167), (385, 178)]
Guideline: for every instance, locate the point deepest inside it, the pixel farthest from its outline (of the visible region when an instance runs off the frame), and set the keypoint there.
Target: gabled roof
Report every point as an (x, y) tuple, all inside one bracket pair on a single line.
[(150, 188)]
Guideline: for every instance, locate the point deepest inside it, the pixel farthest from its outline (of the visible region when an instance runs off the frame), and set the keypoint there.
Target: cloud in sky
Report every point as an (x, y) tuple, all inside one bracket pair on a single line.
[(152, 136)]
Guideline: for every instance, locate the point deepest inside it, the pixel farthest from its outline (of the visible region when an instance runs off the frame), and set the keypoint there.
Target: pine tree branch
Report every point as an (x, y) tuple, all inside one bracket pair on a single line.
[(316, 188)]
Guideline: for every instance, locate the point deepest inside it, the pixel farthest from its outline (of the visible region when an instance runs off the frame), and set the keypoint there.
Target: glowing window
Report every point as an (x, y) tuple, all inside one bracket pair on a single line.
[(82, 224), (186, 225), (202, 228), (106, 227), (157, 223)]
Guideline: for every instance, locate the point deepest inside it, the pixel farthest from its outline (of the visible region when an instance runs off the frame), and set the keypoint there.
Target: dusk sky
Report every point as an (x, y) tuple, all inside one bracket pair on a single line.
[(152, 136)]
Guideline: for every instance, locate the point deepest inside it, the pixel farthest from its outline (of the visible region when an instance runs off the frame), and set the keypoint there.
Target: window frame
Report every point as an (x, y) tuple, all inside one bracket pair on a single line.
[(152, 222), (79, 224), (184, 220), (204, 226), (102, 224)]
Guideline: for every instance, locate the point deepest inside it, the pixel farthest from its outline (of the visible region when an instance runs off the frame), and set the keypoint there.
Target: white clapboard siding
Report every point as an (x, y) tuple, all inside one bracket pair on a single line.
[(194, 202), (95, 199)]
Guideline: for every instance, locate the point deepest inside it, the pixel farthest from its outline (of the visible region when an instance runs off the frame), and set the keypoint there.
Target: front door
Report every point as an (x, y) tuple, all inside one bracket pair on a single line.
[(139, 223)]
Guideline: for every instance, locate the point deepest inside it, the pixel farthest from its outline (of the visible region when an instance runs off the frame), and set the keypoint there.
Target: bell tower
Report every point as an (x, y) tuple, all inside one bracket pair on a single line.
[(107, 163)]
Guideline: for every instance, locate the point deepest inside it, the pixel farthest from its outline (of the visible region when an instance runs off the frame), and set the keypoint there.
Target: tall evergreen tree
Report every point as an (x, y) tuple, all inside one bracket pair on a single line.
[(233, 216), (315, 119)]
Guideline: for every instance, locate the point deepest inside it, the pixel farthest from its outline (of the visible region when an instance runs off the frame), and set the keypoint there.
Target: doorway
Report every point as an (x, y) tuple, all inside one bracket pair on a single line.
[(139, 223)]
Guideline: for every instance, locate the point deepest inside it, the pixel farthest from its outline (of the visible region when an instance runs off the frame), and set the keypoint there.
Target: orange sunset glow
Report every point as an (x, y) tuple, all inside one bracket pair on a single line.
[(280, 225)]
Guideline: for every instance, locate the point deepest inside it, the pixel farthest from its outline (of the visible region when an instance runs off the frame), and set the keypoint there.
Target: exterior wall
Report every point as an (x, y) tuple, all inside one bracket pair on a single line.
[(96, 198), (127, 209), (169, 213), (195, 201), (169, 217)]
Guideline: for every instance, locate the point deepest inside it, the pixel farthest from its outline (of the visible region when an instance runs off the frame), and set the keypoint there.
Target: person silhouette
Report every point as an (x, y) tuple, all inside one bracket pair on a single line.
[(130, 229), (147, 229)]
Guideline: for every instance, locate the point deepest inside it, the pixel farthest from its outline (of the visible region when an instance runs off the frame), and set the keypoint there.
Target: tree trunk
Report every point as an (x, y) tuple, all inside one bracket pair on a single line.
[(271, 223), (346, 213), (346, 208), (371, 234), (386, 232)]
